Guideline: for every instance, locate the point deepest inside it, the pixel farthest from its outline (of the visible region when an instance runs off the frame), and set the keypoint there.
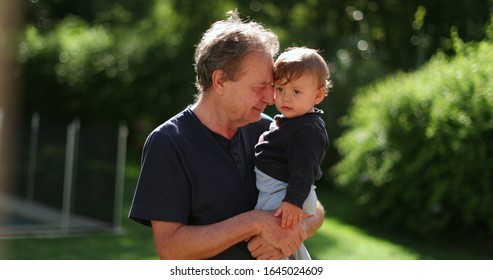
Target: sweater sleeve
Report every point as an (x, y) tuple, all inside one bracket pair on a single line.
[(306, 150)]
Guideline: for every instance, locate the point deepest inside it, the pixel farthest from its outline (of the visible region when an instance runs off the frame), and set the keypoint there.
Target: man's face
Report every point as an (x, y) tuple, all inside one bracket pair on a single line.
[(246, 98)]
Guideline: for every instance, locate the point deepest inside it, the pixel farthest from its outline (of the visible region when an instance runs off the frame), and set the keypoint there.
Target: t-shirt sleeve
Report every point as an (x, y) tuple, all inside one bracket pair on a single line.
[(162, 191)]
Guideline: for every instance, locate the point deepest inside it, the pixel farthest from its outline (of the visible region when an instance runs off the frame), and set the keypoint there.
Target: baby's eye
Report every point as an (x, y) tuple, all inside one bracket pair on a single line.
[(296, 91), (279, 89)]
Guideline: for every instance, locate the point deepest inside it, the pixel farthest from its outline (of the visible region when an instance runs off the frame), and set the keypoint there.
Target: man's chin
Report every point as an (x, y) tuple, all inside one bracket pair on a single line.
[(255, 118)]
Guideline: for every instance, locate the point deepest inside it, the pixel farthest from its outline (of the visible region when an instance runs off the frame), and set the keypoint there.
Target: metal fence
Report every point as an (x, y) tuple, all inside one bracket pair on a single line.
[(69, 179)]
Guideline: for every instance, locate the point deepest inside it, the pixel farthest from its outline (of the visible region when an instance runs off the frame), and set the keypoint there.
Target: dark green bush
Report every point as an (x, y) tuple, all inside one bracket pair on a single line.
[(418, 150)]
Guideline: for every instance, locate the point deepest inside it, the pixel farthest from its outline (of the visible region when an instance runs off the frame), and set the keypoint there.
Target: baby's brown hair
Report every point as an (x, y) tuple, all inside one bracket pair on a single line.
[(297, 61)]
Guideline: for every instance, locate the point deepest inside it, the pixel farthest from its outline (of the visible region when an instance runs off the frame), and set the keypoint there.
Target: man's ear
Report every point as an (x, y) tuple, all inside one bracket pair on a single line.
[(321, 93), (218, 81)]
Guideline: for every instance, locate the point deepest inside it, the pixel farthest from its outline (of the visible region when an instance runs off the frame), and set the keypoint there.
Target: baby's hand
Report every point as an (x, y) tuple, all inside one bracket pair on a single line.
[(291, 214)]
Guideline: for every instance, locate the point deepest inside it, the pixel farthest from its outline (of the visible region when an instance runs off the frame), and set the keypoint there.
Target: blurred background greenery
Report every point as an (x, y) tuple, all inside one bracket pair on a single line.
[(409, 116), (115, 61)]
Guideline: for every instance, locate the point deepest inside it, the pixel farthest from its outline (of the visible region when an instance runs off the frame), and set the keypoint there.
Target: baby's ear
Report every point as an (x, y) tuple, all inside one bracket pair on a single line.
[(321, 93)]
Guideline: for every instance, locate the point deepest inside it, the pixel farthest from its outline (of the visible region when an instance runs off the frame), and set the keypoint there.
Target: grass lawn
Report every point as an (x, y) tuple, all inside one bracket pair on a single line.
[(342, 237)]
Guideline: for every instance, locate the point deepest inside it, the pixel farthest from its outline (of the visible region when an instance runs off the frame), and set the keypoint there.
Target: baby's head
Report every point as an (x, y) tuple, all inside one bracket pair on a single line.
[(298, 61)]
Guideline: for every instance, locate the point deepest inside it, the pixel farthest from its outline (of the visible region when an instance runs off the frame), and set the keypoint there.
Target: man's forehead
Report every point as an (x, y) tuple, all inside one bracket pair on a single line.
[(258, 67)]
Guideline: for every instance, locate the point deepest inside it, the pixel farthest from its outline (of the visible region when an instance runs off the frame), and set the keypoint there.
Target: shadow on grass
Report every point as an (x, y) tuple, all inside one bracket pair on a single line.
[(136, 243), (339, 206)]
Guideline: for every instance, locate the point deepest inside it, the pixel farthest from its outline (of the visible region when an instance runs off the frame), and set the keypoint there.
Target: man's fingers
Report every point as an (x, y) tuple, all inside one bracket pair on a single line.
[(263, 251), (254, 245)]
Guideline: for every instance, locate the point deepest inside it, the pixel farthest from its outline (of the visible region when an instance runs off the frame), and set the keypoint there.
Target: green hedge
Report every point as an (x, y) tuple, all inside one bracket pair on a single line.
[(418, 149)]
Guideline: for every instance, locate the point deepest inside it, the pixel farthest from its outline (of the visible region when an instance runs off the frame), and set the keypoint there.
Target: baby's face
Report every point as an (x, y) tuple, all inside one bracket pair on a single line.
[(297, 97)]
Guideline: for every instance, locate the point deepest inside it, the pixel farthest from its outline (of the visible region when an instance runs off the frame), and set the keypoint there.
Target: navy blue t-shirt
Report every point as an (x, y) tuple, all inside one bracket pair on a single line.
[(194, 176)]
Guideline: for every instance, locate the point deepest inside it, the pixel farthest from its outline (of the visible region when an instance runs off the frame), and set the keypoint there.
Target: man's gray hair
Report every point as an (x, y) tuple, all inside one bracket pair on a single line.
[(226, 43)]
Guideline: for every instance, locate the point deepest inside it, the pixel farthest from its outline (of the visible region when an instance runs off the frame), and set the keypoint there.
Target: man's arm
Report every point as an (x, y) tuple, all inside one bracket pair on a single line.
[(262, 250), (179, 241), (312, 223)]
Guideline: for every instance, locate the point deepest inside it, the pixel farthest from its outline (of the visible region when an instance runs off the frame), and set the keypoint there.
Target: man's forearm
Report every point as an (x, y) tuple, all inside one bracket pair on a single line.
[(179, 241)]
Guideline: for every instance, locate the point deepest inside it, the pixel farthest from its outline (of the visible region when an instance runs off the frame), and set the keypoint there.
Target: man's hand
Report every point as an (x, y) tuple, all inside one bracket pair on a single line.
[(286, 240), (262, 250), (267, 248)]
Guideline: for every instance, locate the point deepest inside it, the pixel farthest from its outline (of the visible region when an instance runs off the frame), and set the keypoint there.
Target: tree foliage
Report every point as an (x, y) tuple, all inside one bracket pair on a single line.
[(125, 60), (418, 151)]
